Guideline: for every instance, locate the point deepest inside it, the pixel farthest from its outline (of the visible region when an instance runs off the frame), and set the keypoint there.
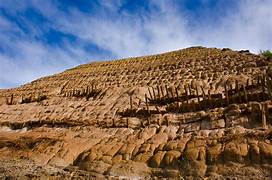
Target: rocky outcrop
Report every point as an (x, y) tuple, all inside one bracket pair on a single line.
[(193, 114)]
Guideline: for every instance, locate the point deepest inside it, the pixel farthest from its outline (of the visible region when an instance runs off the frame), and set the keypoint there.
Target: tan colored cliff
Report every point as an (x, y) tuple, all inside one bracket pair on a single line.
[(192, 113)]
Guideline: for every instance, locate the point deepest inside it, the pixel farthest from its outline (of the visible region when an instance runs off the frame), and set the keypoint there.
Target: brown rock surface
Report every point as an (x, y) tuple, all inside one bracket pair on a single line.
[(195, 113)]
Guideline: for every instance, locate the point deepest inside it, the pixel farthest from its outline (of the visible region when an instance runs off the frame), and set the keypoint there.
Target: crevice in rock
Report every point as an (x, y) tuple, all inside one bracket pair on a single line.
[(36, 124)]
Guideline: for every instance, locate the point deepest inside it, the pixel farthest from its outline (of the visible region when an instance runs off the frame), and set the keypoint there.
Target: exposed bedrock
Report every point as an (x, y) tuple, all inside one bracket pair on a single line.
[(197, 113)]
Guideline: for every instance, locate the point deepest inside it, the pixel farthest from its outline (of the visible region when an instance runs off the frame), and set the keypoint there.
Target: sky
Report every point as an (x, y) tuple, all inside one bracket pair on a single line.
[(44, 37)]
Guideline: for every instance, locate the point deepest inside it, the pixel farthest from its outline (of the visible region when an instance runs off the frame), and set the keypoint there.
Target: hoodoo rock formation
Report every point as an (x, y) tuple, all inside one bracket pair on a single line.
[(196, 113)]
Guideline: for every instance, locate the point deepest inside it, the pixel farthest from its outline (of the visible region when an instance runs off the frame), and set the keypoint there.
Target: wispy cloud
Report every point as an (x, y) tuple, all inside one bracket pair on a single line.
[(247, 27), (113, 31)]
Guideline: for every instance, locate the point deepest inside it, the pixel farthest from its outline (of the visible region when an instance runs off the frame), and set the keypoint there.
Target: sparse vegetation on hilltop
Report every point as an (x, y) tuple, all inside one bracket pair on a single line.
[(266, 53)]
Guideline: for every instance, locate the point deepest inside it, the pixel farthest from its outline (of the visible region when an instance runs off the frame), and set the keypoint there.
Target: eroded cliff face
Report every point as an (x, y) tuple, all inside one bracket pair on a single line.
[(194, 113)]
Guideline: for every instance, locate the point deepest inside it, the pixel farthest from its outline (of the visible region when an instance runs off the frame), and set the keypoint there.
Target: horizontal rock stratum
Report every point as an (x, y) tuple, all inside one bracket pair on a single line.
[(193, 113)]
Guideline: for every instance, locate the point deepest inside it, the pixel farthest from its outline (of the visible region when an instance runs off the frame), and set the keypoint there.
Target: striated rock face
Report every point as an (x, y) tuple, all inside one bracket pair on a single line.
[(194, 113)]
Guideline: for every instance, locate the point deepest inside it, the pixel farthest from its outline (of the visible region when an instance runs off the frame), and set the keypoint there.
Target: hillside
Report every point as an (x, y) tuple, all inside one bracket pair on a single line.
[(192, 113)]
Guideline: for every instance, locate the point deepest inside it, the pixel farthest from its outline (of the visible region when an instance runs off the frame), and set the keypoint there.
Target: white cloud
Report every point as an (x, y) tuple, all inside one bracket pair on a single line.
[(163, 28), (35, 60), (112, 4), (248, 28), (167, 28)]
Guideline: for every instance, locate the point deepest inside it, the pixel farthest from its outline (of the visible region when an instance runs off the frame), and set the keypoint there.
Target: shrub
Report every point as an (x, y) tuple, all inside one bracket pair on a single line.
[(266, 53)]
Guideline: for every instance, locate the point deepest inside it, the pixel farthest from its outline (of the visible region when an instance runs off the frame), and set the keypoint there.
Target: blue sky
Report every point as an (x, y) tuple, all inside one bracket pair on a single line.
[(43, 37)]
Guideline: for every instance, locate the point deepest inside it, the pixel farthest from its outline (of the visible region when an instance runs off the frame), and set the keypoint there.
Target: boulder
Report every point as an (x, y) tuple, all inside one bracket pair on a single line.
[(143, 157), (144, 148), (130, 147), (155, 160), (192, 127), (113, 150), (117, 159), (160, 147), (204, 133), (217, 133), (256, 113), (105, 148), (134, 122), (152, 148), (254, 152), (97, 166), (138, 157), (202, 154), (172, 134), (167, 118), (126, 157), (216, 124), (194, 150), (156, 118), (122, 150), (213, 152), (170, 145), (232, 111), (107, 159), (235, 152), (182, 144), (266, 152), (147, 133), (136, 149), (159, 138), (206, 124), (171, 158), (93, 155)]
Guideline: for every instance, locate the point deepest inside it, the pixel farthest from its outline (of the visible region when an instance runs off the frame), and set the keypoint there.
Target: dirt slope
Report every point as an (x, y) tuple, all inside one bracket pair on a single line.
[(193, 113)]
